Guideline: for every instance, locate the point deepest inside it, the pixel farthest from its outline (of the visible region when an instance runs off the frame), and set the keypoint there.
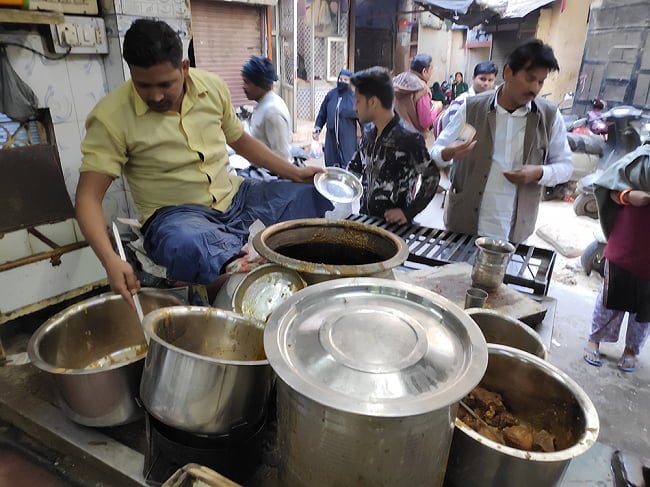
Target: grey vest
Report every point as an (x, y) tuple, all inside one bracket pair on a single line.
[(469, 175)]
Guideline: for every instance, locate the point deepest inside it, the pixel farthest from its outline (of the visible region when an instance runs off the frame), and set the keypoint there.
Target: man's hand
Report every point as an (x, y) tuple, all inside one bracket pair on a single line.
[(638, 198), (526, 175), (395, 215), (457, 149), (315, 135), (122, 279), (305, 174)]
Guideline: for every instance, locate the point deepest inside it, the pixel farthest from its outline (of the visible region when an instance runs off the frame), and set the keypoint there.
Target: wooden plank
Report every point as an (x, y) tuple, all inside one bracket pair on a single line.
[(14, 16)]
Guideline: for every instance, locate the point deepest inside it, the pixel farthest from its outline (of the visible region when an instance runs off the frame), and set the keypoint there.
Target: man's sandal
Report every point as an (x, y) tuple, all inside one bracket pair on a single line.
[(627, 363), (592, 357)]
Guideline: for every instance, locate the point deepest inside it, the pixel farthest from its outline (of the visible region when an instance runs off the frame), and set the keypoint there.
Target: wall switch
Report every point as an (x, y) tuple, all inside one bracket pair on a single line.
[(82, 35)]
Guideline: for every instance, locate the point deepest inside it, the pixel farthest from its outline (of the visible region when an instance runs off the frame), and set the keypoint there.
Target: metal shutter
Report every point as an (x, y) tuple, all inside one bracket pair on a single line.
[(225, 35)]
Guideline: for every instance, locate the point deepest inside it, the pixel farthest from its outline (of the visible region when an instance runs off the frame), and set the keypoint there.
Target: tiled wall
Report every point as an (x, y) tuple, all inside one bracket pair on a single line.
[(71, 87)]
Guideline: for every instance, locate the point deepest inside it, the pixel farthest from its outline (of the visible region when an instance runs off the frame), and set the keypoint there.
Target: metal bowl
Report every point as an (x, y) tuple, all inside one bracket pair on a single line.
[(264, 289), (532, 389), (503, 330), (94, 351)]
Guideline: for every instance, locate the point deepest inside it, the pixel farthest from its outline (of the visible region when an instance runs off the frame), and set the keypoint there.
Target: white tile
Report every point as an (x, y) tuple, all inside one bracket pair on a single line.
[(48, 79), (13, 246), (61, 233), (68, 142), (87, 81), (113, 65)]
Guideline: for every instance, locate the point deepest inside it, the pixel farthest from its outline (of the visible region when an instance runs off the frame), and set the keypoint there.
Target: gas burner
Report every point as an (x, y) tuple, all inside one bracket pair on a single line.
[(236, 456)]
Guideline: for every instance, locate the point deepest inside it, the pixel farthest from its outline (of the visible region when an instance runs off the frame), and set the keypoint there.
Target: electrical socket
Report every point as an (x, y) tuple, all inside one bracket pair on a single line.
[(82, 35)]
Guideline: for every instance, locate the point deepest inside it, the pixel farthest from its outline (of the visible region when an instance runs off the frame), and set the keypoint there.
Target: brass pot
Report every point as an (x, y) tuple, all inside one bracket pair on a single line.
[(321, 249)]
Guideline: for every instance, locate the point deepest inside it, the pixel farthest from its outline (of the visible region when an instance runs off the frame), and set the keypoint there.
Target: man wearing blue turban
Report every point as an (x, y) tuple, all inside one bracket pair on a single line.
[(270, 122), (337, 113)]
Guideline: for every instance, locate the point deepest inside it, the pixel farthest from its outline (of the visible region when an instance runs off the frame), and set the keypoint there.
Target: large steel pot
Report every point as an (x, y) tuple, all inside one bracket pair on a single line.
[(94, 351), (504, 330), (370, 372), (531, 387), (205, 371), (321, 249)]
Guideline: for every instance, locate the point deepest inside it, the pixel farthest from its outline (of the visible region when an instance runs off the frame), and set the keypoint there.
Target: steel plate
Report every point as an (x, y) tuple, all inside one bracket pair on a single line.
[(338, 185)]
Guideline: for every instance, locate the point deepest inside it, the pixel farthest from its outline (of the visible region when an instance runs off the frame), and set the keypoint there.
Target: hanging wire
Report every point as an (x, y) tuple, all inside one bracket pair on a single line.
[(46, 56)]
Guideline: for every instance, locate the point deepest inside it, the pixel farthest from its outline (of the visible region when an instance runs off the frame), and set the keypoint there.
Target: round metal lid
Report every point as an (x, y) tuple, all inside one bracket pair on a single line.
[(338, 185), (375, 347)]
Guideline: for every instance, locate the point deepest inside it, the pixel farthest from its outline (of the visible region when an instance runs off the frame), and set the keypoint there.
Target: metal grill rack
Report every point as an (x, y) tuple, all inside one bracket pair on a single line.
[(530, 267)]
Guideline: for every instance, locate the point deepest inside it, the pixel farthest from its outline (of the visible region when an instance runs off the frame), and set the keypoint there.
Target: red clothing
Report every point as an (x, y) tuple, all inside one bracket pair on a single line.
[(628, 245)]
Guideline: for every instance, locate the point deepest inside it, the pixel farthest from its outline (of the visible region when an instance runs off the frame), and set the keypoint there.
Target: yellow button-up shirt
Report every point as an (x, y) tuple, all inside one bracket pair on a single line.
[(168, 158)]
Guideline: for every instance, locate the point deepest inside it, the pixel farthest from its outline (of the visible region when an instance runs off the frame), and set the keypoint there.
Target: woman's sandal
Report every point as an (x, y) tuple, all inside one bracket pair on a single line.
[(592, 357), (627, 363)]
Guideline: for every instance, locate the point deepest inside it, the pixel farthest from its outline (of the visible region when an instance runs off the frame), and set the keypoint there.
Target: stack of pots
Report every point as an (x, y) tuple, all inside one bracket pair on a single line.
[(370, 372), (533, 390)]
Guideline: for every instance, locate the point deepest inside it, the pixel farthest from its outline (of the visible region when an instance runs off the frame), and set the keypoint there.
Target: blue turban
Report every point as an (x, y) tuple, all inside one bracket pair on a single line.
[(345, 72), (259, 71)]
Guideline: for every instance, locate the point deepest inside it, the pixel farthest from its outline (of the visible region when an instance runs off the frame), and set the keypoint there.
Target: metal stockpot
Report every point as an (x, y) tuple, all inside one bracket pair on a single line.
[(530, 387), (321, 249), (504, 330), (103, 332), (370, 372), (205, 371)]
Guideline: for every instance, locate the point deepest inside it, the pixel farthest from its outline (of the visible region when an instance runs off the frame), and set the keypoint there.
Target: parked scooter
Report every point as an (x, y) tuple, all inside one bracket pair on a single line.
[(592, 257), (625, 124), (586, 150)]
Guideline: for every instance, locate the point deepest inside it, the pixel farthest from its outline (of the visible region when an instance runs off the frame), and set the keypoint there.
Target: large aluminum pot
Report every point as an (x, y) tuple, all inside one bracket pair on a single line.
[(532, 389), (205, 371), (370, 372), (94, 351), (321, 249), (504, 330)]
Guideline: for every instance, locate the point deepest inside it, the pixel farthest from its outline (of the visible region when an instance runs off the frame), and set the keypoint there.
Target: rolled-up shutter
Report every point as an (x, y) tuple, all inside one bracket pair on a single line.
[(225, 35)]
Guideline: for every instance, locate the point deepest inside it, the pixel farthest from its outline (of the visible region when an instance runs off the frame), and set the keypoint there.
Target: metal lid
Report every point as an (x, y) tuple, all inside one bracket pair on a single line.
[(338, 185), (264, 289), (375, 347)]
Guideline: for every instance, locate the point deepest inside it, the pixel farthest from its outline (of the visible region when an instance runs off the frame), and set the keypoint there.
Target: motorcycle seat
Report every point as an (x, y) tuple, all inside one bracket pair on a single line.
[(590, 144)]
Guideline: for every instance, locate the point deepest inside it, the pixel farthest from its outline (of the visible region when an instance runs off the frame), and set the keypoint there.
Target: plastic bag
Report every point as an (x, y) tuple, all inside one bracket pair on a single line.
[(316, 150), (17, 99)]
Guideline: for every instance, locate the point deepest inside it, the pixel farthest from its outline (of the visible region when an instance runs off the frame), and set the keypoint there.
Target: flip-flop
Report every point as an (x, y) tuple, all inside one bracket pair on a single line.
[(592, 357), (627, 363)]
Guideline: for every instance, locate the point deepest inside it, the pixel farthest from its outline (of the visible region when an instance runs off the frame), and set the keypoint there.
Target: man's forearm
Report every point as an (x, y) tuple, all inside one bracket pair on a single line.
[(260, 155), (90, 217)]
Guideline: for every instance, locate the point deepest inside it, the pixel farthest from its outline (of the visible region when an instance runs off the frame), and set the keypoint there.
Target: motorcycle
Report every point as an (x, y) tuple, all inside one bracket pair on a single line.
[(626, 128), (592, 257)]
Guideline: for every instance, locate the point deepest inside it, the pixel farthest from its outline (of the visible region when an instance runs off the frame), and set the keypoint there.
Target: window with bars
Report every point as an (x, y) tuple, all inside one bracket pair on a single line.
[(22, 134)]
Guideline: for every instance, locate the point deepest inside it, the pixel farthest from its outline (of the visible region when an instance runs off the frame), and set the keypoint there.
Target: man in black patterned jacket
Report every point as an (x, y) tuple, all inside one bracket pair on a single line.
[(398, 175)]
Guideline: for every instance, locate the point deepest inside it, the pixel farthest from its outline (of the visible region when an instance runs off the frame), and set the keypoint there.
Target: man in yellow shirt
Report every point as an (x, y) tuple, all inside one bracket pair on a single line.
[(166, 130)]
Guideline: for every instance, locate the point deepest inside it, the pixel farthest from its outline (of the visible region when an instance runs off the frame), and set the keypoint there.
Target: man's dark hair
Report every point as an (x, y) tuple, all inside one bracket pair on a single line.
[(486, 67), (532, 54), (375, 81), (420, 62), (150, 42)]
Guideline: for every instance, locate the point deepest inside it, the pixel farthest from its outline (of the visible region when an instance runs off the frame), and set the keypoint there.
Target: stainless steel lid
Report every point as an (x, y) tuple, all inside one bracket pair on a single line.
[(375, 347), (338, 185)]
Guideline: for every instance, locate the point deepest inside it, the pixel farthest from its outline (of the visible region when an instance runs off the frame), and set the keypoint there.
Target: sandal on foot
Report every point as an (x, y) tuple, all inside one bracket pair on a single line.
[(592, 357), (627, 363)]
